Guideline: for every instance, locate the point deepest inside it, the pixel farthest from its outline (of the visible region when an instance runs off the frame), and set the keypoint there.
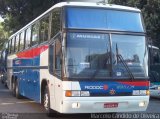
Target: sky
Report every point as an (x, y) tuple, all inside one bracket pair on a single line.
[(1, 20)]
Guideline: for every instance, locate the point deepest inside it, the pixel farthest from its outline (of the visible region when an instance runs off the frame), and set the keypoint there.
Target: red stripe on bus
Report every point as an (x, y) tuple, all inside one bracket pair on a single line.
[(32, 52), (138, 83)]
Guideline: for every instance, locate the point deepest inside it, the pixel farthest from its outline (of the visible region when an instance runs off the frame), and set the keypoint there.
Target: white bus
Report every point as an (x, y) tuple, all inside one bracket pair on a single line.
[(81, 57)]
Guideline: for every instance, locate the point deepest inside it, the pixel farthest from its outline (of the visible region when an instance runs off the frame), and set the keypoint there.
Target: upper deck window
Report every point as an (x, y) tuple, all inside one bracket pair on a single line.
[(103, 19)]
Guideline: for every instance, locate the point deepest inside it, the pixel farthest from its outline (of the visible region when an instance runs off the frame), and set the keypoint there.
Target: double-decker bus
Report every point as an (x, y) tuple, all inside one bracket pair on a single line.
[(81, 58)]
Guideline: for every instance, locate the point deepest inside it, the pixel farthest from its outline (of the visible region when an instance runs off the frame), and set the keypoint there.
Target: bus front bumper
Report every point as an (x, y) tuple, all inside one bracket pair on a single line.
[(97, 104)]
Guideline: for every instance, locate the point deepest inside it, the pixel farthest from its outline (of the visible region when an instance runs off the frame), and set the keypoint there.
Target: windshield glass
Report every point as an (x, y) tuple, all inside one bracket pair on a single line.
[(103, 19), (88, 55), (133, 52)]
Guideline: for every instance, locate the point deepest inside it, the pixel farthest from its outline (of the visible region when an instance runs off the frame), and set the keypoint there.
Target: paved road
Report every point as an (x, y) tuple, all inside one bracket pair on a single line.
[(10, 106)]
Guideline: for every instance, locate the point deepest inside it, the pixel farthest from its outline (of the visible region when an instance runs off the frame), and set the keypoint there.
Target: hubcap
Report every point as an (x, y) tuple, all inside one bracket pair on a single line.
[(13, 86), (46, 104), (16, 89)]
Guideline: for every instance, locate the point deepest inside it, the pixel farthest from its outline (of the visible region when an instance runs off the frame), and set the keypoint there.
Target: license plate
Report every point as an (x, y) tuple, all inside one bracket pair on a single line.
[(110, 105)]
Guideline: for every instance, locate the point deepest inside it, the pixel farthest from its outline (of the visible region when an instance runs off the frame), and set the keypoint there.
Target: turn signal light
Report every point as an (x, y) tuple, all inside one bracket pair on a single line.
[(147, 92), (68, 93)]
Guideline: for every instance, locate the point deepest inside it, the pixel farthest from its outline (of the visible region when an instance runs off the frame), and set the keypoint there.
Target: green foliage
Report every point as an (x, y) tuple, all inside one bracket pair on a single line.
[(3, 35)]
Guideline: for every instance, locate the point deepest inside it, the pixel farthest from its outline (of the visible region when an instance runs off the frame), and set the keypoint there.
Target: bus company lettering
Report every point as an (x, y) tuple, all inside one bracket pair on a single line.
[(124, 87), (88, 36), (18, 62), (105, 87)]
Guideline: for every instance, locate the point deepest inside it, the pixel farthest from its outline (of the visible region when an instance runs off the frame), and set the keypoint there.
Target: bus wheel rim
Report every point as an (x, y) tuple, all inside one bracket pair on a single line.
[(46, 101)]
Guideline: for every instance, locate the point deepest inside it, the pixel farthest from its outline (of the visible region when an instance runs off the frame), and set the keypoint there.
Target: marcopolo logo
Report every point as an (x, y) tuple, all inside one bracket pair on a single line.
[(105, 87)]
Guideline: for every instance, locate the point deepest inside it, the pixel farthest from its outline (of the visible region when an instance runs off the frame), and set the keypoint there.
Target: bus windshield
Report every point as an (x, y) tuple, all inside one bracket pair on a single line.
[(133, 51), (103, 19), (88, 55)]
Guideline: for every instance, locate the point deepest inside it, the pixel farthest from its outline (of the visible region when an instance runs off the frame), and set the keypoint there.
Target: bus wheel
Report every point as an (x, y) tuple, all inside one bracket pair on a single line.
[(14, 88), (46, 102), (17, 94)]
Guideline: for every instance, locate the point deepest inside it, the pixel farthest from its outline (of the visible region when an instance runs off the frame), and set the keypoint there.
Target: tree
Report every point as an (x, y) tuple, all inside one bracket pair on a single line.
[(3, 35), (17, 13)]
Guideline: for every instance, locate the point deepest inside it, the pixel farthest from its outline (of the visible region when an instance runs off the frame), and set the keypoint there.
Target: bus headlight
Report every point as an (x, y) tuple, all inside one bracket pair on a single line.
[(76, 93), (142, 104), (70, 93), (141, 92), (85, 93)]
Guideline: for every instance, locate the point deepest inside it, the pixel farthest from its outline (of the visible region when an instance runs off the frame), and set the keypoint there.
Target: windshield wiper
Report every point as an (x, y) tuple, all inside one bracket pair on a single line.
[(124, 63)]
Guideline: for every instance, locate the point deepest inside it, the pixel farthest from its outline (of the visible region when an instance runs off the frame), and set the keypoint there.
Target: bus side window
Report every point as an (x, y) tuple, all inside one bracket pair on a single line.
[(28, 38), (55, 27), (44, 29), (17, 43), (58, 53), (35, 33), (21, 43), (156, 57), (9, 46), (12, 45), (51, 58), (6, 46)]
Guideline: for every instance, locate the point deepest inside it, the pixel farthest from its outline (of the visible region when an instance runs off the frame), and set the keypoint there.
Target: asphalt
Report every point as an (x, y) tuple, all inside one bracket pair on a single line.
[(12, 108)]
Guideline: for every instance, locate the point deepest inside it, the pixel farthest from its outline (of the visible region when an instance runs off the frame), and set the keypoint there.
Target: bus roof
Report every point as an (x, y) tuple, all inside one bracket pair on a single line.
[(81, 4)]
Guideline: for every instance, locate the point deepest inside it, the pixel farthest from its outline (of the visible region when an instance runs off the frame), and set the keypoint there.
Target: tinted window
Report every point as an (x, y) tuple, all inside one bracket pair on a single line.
[(58, 57), (12, 45), (51, 58), (17, 43), (55, 28), (9, 44), (35, 34), (92, 18), (6, 45), (44, 29), (88, 55), (28, 38), (156, 56), (21, 44), (131, 50)]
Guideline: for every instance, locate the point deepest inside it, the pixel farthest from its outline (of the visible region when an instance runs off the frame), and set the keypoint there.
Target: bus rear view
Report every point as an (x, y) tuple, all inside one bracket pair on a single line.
[(105, 59)]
